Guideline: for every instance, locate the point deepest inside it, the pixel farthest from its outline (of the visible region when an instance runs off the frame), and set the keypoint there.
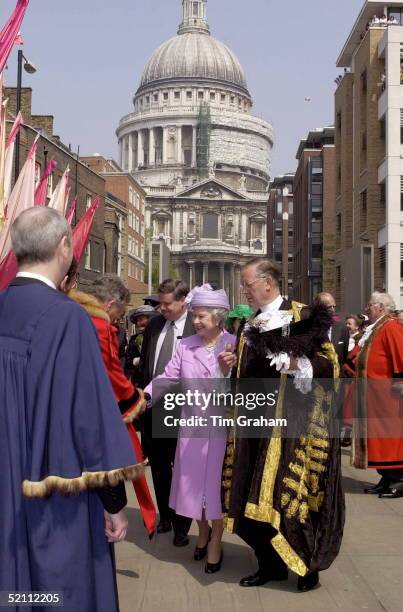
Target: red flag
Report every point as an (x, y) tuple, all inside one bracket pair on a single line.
[(8, 270), (71, 211), (42, 188), (82, 231), (11, 31)]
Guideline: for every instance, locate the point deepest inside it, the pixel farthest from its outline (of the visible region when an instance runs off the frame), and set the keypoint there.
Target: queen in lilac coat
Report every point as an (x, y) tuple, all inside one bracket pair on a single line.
[(196, 480)]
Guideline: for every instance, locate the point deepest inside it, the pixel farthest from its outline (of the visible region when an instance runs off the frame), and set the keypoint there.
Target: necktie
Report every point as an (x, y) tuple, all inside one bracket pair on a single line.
[(166, 350)]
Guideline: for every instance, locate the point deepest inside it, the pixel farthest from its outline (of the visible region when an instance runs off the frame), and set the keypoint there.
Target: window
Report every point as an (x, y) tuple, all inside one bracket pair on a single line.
[(338, 121), (212, 95), (195, 9), (50, 186), (177, 95), (200, 95), (165, 95), (155, 97), (210, 225), (142, 251), (364, 81), (130, 195), (395, 14), (222, 97), (401, 261), (87, 257), (148, 99), (401, 200), (88, 201), (37, 173), (189, 95), (232, 99)]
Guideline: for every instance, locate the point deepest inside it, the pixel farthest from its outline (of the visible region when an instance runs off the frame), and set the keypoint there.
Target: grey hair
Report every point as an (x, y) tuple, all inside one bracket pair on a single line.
[(265, 268), (109, 287), (385, 299), (220, 315), (36, 234)]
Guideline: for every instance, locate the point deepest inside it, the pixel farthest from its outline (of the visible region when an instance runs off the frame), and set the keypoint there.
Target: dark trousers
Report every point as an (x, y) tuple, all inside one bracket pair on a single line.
[(258, 535), (161, 454), (393, 475)]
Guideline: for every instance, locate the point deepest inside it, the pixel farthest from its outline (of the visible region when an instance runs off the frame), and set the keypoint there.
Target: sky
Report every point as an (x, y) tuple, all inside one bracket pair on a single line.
[(90, 55)]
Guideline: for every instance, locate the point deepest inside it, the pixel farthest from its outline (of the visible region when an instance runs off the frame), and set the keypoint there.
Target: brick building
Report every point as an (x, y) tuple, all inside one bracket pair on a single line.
[(369, 166), (314, 195), (83, 181), (280, 228), (124, 224)]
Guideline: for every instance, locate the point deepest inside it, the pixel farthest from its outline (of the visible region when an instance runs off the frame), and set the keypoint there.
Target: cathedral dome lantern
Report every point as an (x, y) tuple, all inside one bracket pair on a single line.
[(194, 54)]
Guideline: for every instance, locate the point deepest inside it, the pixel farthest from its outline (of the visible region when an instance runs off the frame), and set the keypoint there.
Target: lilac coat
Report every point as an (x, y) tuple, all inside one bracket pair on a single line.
[(196, 479)]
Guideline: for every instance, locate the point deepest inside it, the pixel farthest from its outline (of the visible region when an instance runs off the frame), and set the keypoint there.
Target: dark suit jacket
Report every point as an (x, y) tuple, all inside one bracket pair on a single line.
[(151, 334), (340, 340)]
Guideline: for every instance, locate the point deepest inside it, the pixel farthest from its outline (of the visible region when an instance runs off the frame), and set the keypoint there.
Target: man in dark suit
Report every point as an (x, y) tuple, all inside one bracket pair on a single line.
[(338, 335), (161, 338)]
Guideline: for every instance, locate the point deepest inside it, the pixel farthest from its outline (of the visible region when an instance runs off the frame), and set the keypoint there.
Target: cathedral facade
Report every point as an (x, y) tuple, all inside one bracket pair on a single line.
[(201, 156)]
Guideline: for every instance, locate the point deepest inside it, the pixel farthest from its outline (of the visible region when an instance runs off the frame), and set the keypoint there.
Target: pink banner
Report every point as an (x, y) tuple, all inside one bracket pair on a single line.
[(15, 129), (82, 231), (8, 270), (42, 188), (71, 211), (10, 31)]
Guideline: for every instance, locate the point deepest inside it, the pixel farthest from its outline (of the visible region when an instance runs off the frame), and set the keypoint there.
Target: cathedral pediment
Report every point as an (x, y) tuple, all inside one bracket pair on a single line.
[(211, 189)]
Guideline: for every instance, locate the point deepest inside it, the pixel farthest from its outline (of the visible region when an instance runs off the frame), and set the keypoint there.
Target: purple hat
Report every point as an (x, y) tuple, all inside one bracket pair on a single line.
[(205, 296)]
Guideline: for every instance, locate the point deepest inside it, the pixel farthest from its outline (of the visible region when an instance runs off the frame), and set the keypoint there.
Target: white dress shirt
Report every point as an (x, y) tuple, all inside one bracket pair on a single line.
[(179, 326), (273, 306), (44, 279)]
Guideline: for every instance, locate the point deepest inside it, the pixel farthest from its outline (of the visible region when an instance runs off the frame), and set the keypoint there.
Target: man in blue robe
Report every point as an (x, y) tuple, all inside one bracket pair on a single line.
[(64, 450)]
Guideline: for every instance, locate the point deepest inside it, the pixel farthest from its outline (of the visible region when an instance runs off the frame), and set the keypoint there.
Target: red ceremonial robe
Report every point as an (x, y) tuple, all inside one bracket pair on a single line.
[(380, 404), (128, 397)]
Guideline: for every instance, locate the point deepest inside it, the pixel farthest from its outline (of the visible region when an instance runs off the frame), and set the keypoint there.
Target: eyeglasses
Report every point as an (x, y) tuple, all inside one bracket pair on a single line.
[(249, 285)]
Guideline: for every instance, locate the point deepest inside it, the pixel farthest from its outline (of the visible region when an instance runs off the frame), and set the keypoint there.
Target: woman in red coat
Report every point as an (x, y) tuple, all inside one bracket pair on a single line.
[(106, 303)]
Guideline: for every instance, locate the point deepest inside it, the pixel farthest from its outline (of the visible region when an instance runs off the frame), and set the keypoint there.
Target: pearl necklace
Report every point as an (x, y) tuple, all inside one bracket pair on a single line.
[(212, 345)]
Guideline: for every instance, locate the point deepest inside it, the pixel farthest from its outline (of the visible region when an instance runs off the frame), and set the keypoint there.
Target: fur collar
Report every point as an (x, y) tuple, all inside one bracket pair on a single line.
[(90, 304)]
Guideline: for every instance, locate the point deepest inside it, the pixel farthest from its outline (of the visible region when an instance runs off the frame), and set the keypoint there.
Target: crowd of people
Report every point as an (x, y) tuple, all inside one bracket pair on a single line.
[(77, 411)]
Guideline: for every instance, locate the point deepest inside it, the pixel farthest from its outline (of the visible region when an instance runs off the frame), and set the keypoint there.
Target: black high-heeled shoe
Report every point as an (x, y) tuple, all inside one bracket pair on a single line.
[(201, 552), (212, 568)]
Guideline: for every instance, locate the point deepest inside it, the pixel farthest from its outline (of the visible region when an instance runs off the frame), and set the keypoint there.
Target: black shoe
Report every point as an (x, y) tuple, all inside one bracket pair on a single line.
[(180, 540), (201, 552), (212, 568), (394, 491), (262, 577), (309, 582), (381, 487), (164, 526)]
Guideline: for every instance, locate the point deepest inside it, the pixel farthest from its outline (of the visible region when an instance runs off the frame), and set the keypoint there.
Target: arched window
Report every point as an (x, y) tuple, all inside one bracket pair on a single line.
[(210, 225)]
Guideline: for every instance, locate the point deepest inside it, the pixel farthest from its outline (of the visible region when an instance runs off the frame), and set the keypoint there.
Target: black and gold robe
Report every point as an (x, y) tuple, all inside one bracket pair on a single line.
[(291, 483)]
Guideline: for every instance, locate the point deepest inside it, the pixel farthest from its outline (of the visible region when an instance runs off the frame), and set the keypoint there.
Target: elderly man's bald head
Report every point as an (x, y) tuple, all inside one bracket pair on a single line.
[(37, 233)]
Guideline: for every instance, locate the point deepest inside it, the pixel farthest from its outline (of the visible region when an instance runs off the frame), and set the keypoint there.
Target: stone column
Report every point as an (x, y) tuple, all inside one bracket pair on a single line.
[(231, 284), (205, 272), (130, 151), (221, 264), (165, 145), (237, 296), (192, 274), (121, 152), (179, 144), (194, 150), (151, 152), (140, 149)]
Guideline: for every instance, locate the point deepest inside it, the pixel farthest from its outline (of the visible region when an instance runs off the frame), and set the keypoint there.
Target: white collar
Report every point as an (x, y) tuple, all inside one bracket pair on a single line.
[(181, 319), (367, 333), (39, 277), (273, 306)]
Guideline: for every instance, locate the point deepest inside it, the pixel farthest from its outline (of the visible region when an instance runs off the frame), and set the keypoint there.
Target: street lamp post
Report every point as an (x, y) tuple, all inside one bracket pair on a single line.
[(30, 69)]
